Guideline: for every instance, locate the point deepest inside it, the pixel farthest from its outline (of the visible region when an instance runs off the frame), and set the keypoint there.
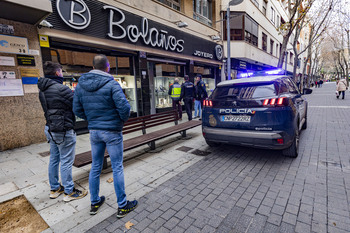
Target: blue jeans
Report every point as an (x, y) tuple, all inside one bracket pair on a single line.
[(197, 106), (62, 150), (113, 140)]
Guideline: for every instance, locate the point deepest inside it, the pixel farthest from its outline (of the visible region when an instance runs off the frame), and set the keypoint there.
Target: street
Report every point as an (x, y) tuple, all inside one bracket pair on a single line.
[(237, 189)]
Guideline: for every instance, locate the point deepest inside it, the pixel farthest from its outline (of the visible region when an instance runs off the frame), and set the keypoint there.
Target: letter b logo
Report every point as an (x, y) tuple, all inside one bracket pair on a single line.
[(74, 13)]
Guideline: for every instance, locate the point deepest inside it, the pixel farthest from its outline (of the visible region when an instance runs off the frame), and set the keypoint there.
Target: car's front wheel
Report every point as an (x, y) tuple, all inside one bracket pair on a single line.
[(293, 150), (212, 144)]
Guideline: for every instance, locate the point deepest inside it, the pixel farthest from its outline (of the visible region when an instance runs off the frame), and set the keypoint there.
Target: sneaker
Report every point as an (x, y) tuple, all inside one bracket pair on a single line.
[(76, 194), (130, 206), (56, 193), (96, 207)]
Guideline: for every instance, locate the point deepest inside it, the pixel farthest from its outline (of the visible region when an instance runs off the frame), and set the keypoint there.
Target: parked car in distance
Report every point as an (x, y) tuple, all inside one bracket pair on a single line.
[(264, 111)]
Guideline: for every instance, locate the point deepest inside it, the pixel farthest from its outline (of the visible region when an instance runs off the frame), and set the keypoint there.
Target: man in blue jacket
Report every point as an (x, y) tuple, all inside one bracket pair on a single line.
[(100, 100)]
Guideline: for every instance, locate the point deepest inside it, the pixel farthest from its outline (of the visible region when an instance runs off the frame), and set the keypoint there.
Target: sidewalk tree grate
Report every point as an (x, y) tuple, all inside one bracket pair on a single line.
[(44, 154), (200, 152), (184, 148)]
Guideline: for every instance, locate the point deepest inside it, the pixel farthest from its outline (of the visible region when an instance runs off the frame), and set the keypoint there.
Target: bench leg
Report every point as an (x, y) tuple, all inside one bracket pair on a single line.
[(152, 145), (152, 148), (184, 135), (104, 163)]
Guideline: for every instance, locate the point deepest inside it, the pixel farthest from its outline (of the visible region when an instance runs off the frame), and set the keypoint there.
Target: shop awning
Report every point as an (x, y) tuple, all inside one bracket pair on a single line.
[(31, 12)]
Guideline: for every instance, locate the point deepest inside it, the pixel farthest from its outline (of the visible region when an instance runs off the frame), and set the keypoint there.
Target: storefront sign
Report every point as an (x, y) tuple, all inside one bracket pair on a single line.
[(7, 61), (24, 60), (44, 41), (242, 65), (88, 17), (7, 74), (13, 44), (29, 72), (11, 87)]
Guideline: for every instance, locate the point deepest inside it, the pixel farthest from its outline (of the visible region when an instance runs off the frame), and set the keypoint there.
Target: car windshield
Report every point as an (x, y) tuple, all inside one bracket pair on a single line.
[(244, 91)]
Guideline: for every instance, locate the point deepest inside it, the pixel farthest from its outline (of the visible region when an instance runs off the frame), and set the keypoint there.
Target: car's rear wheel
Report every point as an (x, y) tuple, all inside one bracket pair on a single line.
[(293, 150), (212, 144)]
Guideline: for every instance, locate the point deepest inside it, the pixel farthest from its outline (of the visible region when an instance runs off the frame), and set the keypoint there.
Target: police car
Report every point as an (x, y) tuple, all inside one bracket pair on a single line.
[(264, 111)]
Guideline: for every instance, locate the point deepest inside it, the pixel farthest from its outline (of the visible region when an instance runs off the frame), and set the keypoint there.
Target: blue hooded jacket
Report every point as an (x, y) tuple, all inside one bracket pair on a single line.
[(100, 100)]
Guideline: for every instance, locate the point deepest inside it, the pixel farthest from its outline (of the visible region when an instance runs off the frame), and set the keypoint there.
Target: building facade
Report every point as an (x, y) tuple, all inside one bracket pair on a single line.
[(255, 39)]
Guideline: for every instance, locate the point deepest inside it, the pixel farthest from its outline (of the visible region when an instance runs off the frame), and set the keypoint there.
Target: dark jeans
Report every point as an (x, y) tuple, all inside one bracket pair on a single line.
[(188, 106), (177, 106), (343, 94)]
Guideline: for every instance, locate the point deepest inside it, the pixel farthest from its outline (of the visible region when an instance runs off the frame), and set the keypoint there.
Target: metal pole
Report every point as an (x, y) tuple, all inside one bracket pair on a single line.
[(286, 62), (228, 43)]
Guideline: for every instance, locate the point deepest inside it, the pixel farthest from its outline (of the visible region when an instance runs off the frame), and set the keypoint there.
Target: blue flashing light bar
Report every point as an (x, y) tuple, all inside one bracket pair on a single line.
[(277, 71), (245, 75)]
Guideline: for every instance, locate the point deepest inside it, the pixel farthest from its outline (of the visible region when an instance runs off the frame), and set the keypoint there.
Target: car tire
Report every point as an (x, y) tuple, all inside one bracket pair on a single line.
[(305, 123), (293, 150), (212, 144)]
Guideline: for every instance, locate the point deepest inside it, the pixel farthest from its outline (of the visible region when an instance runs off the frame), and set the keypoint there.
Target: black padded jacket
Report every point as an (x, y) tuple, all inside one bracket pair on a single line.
[(57, 102)]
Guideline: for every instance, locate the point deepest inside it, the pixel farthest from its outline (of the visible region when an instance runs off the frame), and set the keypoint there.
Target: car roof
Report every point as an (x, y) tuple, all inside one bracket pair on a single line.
[(252, 80)]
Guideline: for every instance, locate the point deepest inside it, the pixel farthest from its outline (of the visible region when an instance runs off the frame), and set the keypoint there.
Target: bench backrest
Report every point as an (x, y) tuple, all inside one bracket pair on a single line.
[(144, 122)]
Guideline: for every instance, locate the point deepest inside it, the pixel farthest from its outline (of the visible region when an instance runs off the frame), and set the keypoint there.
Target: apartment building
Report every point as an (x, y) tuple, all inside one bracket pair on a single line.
[(255, 39)]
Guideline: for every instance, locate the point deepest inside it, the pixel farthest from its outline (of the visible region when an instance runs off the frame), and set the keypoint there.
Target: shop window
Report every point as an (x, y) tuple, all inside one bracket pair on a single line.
[(207, 78), (76, 63), (165, 75), (271, 46), (202, 11), (175, 4), (264, 42)]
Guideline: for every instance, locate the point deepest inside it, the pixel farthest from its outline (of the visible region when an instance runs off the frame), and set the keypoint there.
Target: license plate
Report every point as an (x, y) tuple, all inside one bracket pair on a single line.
[(236, 118)]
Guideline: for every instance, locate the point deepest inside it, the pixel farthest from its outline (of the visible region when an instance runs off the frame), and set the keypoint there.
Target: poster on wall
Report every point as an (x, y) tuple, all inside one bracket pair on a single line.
[(13, 44), (7, 61), (7, 74), (11, 87)]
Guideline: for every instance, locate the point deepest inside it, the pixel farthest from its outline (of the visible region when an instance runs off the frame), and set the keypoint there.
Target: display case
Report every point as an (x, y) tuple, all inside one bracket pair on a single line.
[(127, 83), (161, 89), (209, 85)]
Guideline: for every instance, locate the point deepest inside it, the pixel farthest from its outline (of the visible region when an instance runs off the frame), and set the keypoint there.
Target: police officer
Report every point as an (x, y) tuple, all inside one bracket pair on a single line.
[(175, 94), (201, 94), (187, 94)]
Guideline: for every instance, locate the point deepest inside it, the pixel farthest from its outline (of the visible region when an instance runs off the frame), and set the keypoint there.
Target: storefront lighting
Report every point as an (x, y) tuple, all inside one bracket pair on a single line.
[(181, 24), (215, 37)]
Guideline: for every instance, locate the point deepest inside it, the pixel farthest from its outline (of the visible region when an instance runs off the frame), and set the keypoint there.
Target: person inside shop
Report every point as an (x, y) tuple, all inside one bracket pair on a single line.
[(57, 102), (175, 94), (100, 100), (187, 94), (201, 94)]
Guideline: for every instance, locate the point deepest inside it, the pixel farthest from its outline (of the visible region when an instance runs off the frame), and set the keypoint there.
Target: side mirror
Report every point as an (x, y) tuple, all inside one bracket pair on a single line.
[(307, 91)]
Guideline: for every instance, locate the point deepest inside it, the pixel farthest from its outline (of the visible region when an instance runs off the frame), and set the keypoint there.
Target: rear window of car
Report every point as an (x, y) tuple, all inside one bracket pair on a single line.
[(244, 91)]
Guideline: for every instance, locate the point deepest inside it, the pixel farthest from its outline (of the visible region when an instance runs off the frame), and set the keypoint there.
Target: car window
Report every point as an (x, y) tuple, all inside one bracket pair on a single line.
[(245, 91), (291, 86), (283, 88)]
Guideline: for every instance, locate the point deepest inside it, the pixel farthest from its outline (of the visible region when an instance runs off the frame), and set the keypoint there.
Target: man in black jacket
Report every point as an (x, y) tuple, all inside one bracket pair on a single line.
[(201, 94), (57, 102), (187, 94)]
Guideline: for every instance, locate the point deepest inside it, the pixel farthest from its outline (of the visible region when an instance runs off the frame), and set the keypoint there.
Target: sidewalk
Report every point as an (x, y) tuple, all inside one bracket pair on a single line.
[(23, 171)]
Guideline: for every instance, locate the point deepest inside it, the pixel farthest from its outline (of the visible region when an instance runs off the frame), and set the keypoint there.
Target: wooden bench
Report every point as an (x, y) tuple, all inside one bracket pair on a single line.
[(141, 124)]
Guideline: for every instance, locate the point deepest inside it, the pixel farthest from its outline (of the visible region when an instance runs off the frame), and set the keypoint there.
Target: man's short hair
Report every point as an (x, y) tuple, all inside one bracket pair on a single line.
[(100, 62), (186, 78), (177, 80), (199, 76), (50, 68)]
